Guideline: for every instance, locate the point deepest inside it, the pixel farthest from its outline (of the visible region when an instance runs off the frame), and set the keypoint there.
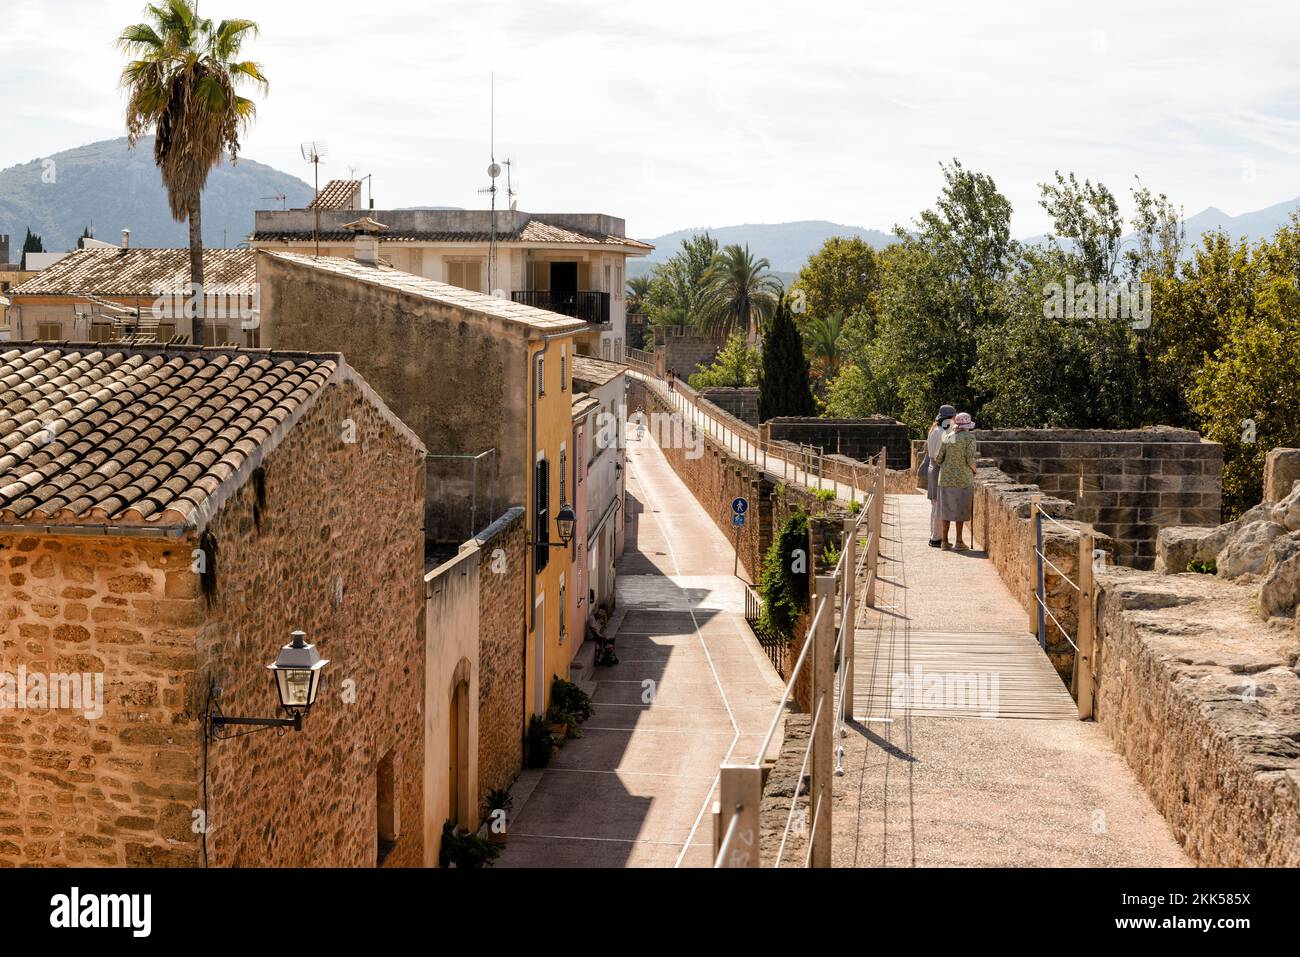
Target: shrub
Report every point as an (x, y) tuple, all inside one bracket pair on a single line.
[(784, 581), (463, 849), (540, 742)]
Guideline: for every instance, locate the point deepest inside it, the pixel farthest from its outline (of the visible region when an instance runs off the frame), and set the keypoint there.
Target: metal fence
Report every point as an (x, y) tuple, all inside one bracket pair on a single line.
[(1085, 642), (774, 646), (827, 651)]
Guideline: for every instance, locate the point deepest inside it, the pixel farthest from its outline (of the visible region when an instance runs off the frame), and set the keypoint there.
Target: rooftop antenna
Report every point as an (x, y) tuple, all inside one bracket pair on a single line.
[(278, 198), (312, 153), (510, 190), (493, 171)]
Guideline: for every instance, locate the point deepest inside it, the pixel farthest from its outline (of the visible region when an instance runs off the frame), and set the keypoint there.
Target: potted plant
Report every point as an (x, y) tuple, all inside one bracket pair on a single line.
[(541, 742), (571, 700), (561, 723), (499, 801), (460, 848)]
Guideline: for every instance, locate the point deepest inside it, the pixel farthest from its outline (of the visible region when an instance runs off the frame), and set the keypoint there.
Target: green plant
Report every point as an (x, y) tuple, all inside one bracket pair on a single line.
[(541, 742), (462, 849), (570, 698), (1207, 567), (784, 580), (499, 799), (831, 554), (566, 721), (855, 506), (825, 495)]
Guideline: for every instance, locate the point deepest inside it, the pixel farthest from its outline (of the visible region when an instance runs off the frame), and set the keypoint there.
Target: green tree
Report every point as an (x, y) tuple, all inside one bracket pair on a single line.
[(839, 278), (783, 582), (784, 383), (678, 286), (638, 290), (1247, 393), (824, 343), (741, 294), (182, 77), (31, 244), (736, 364)]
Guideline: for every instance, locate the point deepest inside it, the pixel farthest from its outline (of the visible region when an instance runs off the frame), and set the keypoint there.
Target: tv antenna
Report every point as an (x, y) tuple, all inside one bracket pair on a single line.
[(493, 171), (312, 153), (508, 163), (278, 198)]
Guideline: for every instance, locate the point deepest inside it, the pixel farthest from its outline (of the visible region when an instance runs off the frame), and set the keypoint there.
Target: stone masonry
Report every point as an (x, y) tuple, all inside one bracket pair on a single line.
[(298, 546), (856, 438), (501, 659), (1128, 484)]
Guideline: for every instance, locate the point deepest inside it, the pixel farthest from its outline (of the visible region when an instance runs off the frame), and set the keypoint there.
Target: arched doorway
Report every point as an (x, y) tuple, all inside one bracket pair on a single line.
[(458, 800)]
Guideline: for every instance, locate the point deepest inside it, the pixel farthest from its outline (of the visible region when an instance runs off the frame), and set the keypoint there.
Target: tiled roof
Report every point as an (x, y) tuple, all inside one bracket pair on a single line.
[(336, 194), (534, 232), (141, 272), (152, 436), (596, 371), (441, 292), (584, 404)]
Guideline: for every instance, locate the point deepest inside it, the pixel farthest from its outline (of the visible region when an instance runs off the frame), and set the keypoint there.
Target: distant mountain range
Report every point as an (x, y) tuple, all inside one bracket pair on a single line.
[(109, 188)]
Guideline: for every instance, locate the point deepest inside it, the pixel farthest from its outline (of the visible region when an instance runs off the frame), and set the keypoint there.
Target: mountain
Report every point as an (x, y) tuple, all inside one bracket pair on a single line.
[(109, 187), (786, 246)]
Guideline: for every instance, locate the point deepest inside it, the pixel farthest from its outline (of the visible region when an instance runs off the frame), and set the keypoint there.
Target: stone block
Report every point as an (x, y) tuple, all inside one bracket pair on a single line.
[(1281, 472)]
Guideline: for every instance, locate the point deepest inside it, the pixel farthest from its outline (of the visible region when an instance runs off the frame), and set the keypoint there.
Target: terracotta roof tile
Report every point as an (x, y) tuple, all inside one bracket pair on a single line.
[(142, 272), (336, 194), (138, 435), (533, 232)]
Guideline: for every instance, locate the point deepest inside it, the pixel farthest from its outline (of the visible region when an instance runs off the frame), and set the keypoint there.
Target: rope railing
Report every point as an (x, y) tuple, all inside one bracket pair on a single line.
[(1085, 638)]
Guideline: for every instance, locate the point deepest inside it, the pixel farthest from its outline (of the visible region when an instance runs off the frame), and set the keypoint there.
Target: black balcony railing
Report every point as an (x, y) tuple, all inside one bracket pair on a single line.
[(589, 306)]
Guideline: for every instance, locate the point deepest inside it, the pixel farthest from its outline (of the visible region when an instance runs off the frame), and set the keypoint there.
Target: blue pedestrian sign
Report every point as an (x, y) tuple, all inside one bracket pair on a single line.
[(739, 506), (738, 519)]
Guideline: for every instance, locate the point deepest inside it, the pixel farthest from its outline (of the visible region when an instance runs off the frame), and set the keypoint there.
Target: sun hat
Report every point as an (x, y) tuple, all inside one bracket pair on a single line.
[(945, 412), (963, 421)]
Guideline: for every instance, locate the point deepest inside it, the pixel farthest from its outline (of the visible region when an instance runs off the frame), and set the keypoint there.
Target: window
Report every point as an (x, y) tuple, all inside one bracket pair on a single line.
[(466, 274), (541, 375), (541, 515), (48, 330), (618, 350), (564, 612), (564, 368), (166, 331), (564, 473), (101, 332), (385, 808), (217, 335), (618, 286), (609, 287), (604, 348)]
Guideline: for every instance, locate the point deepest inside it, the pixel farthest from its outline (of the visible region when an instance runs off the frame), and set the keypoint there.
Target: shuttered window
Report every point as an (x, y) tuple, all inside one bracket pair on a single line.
[(542, 515), (467, 275)]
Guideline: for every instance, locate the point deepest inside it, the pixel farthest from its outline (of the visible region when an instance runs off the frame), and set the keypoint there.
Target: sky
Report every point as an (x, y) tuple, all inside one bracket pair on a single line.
[(715, 112)]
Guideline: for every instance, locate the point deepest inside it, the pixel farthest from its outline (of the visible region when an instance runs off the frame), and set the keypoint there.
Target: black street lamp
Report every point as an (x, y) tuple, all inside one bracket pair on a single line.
[(297, 678), (565, 521)]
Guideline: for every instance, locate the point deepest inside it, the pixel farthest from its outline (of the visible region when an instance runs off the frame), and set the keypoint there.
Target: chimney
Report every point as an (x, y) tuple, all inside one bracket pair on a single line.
[(126, 239), (365, 243)]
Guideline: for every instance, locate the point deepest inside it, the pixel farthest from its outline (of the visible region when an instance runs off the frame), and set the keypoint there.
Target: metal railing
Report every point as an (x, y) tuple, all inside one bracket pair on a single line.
[(581, 304), (773, 645), (827, 651), (1085, 642)]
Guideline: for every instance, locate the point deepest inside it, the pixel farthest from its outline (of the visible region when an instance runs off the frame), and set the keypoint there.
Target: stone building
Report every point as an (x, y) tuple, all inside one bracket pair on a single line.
[(486, 384), (570, 263), (168, 516), (102, 292)]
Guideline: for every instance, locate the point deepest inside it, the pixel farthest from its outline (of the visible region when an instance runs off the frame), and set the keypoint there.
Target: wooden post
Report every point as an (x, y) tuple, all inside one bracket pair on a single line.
[(1031, 563), (823, 744), (740, 789), (848, 613), (1084, 657)]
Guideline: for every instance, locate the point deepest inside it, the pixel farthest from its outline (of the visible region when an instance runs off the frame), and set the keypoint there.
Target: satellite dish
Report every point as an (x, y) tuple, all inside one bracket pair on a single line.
[(494, 170)]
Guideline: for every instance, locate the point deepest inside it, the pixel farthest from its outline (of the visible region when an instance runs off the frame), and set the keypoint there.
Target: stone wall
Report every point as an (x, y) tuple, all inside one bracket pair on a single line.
[(118, 789), (413, 353), (1002, 525), (856, 438), (1204, 703), (325, 537), (685, 353), (502, 600), (742, 402), (333, 546), (1128, 484)]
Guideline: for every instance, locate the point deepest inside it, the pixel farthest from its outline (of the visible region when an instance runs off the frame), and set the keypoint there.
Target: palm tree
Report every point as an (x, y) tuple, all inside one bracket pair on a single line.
[(742, 294), (638, 288), (822, 342), (182, 76)]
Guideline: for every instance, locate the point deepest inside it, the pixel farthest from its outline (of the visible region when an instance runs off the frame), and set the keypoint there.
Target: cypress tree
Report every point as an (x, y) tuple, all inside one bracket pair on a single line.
[(784, 386)]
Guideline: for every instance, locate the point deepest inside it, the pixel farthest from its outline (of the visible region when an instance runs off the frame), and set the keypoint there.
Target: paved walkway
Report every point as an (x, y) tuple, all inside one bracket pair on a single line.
[(691, 688), (941, 786)]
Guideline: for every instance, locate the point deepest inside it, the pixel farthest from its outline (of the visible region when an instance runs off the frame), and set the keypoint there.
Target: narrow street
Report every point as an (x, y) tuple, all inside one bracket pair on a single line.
[(691, 688)]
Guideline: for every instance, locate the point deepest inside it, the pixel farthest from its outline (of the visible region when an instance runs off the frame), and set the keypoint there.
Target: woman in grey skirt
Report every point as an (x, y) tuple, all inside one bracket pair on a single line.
[(956, 457), (942, 423)]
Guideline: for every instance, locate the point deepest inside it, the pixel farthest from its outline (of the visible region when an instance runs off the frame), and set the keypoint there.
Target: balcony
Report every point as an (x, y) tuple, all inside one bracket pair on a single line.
[(592, 307)]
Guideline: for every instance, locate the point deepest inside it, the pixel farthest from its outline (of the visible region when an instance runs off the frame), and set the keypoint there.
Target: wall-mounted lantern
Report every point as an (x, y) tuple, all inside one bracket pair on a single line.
[(297, 672), (565, 521)]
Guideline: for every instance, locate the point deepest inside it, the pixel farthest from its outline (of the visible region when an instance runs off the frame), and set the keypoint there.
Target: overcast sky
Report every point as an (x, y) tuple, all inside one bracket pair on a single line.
[(714, 112)]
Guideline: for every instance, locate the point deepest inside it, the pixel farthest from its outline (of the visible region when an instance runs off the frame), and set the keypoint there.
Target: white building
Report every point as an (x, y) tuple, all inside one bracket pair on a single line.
[(570, 263), (606, 383)]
